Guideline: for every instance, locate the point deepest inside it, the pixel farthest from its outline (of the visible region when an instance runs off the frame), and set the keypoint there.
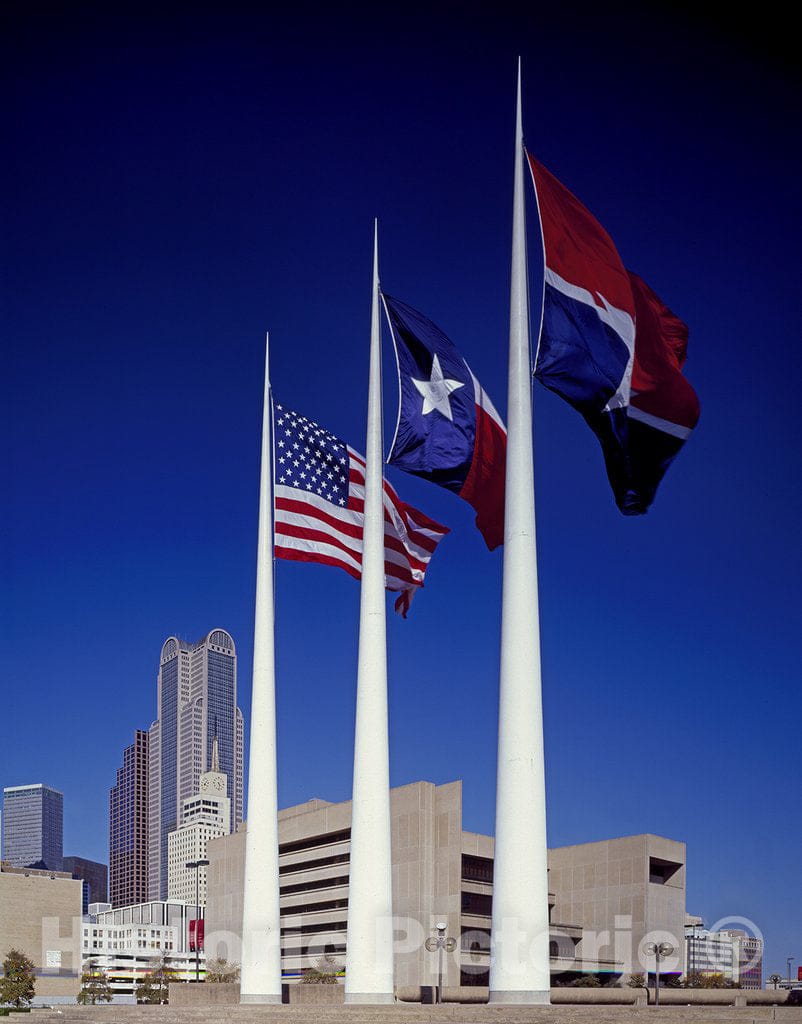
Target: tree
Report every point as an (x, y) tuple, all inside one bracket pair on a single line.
[(219, 969), (587, 981), (636, 980), (707, 979), (325, 973), (95, 987), (17, 983), (716, 980), (154, 987)]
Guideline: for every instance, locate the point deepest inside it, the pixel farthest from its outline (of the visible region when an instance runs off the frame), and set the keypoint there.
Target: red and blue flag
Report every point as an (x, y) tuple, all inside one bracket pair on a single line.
[(448, 430), (610, 347)]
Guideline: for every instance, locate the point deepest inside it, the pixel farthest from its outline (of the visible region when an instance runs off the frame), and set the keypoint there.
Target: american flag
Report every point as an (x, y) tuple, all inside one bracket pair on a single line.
[(320, 503)]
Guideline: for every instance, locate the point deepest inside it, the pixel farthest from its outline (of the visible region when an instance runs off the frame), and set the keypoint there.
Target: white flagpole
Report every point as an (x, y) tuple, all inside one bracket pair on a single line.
[(519, 965), (369, 943), (261, 931)]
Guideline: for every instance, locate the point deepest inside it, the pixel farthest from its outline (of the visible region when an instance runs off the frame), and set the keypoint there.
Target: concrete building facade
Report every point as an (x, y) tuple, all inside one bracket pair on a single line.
[(40, 914), (624, 893), (93, 875), (197, 701), (441, 874), (128, 826), (33, 827)]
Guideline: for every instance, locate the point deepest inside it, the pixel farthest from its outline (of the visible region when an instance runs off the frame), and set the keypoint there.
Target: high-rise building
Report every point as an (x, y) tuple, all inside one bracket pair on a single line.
[(205, 816), (729, 952), (197, 701), (95, 878), (128, 826), (33, 827)]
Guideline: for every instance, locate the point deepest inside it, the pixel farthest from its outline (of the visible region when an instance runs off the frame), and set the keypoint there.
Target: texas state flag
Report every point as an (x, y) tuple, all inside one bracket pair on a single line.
[(448, 430), (610, 347)]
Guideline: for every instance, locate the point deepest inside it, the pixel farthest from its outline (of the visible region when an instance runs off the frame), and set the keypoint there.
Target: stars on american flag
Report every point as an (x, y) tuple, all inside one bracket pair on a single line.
[(309, 458)]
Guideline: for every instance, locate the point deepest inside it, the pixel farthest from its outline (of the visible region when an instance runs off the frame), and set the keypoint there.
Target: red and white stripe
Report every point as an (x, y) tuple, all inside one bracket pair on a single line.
[(308, 528)]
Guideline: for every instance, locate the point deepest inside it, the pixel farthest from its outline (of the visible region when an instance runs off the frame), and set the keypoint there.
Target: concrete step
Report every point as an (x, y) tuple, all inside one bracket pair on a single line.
[(409, 1014)]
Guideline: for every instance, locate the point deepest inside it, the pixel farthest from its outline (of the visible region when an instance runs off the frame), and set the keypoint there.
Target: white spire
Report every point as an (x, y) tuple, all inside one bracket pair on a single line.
[(261, 933), (215, 755), (519, 966), (369, 943)]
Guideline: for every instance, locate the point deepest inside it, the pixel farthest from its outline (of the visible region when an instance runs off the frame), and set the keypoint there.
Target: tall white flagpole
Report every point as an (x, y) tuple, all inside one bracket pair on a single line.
[(261, 931), (519, 964), (369, 943)]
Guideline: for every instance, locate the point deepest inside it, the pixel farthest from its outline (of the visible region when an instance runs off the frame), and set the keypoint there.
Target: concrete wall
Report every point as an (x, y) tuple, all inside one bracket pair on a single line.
[(605, 888), (40, 913), (222, 993), (225, 880), (426, 823), (427, 862)]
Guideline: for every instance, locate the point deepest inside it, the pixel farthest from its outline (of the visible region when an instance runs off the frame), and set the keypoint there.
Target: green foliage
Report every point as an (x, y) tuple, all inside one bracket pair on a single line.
[(95, 987), (219, 970), (637, 980), (154, 987), (587, 981), (17, 983), (326, 972)]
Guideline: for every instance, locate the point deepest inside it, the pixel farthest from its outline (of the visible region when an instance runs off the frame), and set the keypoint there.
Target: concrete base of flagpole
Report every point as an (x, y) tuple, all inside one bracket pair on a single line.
[(515, 998), (250, 998), (369, 998)]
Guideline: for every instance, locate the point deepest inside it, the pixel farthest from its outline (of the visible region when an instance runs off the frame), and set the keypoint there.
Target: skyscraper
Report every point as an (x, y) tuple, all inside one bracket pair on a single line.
[(33, 827), (128, 826), (95, 878), (197, 701), (205, 816)]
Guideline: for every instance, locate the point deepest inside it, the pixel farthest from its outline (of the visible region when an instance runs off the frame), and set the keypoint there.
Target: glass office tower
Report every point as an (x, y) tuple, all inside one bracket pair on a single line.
[(33, 827), (95, 878), (197, 701)]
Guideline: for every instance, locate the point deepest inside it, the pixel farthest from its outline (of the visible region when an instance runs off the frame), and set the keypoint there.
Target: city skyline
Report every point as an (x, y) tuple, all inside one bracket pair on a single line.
[(179, 185)]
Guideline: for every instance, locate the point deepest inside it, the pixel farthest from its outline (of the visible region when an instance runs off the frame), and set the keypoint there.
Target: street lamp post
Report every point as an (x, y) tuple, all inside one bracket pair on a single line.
[(441, 943), (659, 950), (692, 949), (197, 865)]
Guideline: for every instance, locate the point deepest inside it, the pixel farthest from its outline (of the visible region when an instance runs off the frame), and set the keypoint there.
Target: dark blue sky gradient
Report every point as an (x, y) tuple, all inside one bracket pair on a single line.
[(175, 185)]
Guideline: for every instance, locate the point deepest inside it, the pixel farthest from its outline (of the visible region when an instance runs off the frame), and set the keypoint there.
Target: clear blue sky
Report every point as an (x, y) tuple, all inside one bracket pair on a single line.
[(174, 186)]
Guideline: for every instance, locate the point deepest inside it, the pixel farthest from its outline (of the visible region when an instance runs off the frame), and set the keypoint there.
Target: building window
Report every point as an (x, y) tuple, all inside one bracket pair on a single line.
[(662, 871), (477, 869)]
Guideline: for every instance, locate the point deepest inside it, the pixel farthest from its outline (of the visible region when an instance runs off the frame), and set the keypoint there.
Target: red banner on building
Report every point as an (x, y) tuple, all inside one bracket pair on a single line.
[(196, 935)]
